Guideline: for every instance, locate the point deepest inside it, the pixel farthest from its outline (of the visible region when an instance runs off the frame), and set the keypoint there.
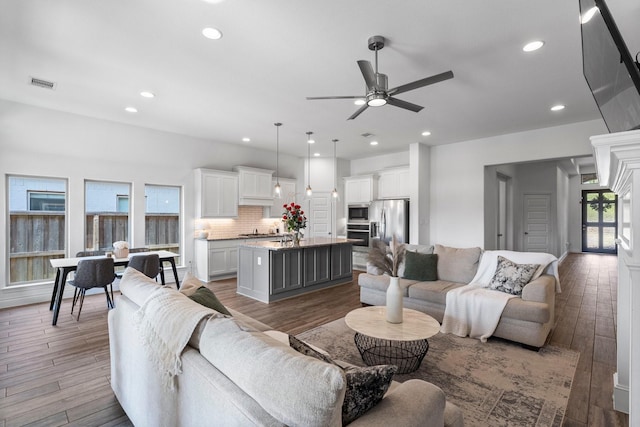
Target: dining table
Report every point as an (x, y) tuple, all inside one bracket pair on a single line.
[(64, 266)]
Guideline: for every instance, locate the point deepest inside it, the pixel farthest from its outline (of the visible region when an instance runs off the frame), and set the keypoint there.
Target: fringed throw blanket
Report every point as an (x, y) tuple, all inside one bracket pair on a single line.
[(473, 309), (165, 323)]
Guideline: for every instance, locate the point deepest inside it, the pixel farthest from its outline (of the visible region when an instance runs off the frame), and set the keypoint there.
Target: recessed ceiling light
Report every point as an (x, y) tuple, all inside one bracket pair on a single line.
[(426, 133), (373, 143), (588, 15), (213, 1), (558, 107), (212, 33), (245, 139), (311, 141), (131, 109), (316, 154), (359, 102), (147, 94), (534, 45)]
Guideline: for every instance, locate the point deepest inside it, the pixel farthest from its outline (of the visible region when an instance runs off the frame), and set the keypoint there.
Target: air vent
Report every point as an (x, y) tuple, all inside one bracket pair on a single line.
[(43, 83), (367, 134)]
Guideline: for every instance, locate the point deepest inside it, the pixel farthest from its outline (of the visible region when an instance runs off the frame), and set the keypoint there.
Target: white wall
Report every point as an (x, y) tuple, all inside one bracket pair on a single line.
[(378, 162), (457, 177), (563, 212), (41, 142)]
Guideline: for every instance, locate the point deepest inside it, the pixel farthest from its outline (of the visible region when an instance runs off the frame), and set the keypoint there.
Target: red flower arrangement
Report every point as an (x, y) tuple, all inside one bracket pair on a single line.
[(293, 217)]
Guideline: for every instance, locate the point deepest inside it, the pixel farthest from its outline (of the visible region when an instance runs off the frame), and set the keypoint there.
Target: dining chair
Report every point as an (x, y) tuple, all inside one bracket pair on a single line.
[(92, 273), (148, 264)]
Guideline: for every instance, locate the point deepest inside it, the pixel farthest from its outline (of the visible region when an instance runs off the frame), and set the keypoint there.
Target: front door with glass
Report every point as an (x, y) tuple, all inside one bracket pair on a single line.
[(599, 221)]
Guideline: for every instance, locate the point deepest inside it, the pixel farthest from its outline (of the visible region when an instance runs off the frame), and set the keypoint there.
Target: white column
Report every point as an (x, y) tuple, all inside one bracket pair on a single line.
[(618, 165), (420, 177)]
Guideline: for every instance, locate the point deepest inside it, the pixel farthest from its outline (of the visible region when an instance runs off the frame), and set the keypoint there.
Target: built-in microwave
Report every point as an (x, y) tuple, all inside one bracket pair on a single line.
[(358, 213)]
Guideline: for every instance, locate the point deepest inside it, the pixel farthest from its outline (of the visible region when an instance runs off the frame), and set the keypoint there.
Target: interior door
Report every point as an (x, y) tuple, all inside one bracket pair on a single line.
[(599, 221), (501, 235), (537, 223), (319, 215)]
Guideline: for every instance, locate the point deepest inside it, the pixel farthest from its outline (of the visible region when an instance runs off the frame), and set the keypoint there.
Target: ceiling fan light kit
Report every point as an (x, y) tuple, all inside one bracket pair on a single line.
[(377, 93)]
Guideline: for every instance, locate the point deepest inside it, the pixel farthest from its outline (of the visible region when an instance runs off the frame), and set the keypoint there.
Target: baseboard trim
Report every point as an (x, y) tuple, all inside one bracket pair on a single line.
[(620, 396)]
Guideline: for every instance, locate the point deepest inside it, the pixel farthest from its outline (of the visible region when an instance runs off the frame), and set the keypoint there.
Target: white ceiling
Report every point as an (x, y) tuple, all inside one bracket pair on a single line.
[(275, 53)]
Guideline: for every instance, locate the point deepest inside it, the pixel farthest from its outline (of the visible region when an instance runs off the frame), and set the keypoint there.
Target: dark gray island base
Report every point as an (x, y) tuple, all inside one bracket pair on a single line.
[(269, 271)]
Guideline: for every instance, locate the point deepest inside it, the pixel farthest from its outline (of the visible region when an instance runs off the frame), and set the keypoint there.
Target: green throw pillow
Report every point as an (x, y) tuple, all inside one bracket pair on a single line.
[(423, 267), (205, 297), (366, 386)]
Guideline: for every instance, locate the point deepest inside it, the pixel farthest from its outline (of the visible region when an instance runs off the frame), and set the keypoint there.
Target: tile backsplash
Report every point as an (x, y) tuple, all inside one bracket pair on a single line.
[(249, 219)]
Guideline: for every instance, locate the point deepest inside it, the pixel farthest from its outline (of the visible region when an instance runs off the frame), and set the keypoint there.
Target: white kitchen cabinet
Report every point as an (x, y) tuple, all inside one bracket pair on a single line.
[(254, 186), (394, 183), (360, 189), (216, 259), (288, 191), (216, 193)]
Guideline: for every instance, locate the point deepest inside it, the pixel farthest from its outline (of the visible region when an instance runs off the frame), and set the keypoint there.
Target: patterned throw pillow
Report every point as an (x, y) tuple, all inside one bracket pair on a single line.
[(366, 386), (511, 277)]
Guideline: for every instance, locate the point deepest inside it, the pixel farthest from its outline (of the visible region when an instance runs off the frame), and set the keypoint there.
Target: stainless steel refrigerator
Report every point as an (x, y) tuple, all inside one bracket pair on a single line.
[(389, 217)]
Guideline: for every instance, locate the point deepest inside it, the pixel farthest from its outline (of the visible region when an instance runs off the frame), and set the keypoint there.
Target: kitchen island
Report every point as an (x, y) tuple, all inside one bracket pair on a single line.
[(271, 270)]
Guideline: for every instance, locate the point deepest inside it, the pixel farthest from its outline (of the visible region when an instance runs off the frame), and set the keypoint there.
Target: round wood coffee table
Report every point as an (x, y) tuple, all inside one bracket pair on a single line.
[(382, 343)]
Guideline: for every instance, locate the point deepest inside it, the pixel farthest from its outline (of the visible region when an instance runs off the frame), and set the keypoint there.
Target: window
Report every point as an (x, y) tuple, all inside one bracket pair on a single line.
[(106, 214), (37, 223), (46, 201), (162, 218), (589, 178)]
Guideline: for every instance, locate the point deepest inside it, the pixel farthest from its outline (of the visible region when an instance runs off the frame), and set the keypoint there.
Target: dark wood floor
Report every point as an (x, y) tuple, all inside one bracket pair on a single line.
[(59, 376)]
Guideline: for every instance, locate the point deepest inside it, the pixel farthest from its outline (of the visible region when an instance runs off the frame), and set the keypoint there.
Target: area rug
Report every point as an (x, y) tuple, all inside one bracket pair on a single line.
[(497, 383)]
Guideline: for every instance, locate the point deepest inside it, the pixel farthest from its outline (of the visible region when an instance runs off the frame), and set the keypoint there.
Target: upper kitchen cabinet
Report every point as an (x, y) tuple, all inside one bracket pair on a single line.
[(394, 183), (288, 191), (255, 187), (216, 193), (360, 189)]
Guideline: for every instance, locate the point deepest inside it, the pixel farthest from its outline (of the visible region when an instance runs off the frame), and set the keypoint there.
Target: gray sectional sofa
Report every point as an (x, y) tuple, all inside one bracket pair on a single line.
[(235, 374), (527, 320)]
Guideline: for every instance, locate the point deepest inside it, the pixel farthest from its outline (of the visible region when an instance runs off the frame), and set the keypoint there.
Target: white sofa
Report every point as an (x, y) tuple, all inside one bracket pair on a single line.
[(527, 319), (247, 379)]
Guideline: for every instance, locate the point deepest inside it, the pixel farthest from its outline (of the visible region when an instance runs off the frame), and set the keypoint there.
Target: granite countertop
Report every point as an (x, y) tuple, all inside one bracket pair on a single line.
[(243, 237), (304, 243)]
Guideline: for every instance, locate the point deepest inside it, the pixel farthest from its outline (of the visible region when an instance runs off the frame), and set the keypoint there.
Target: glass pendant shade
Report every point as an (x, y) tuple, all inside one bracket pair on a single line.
[(308, 192), (334, 194), (277, 190)]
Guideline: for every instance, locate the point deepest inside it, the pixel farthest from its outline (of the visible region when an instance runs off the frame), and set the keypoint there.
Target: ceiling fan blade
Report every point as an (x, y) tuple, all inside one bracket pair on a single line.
[(334, 97), (357, 113), (404, 104), (420, 83), (367, 73)]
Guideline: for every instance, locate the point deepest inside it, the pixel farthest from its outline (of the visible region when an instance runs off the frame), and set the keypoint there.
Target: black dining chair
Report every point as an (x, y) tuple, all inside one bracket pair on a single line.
[(147, 264), (92, 273)]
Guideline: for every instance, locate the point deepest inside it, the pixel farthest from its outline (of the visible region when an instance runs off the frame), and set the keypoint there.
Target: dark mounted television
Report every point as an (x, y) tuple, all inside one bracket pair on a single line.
[(611, 72)]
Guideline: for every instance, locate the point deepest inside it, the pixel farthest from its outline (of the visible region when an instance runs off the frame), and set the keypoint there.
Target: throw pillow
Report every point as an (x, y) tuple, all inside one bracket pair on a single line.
[(366, 386), (190, 284), (511, 277), (204, 296), (423, 267)]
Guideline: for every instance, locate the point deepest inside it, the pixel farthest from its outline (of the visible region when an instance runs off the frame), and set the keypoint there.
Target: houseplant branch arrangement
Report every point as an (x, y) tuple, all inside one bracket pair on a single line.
[(294, 219), (387, 259)]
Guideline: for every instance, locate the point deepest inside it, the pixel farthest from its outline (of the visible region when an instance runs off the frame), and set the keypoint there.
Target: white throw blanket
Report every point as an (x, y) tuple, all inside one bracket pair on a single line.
[(473, 309), (165, 323)]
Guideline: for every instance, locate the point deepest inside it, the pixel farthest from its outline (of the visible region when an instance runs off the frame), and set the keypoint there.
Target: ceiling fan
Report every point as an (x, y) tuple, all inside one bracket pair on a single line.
[(377, 92)]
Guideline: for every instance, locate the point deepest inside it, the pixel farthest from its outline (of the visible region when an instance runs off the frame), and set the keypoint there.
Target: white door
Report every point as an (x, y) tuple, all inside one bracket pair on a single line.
[(537, 223), (319, 215), (501, 236)]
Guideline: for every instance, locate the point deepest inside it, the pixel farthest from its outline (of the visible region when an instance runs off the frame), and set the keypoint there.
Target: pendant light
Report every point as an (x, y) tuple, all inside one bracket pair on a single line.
[(277, 190), (334, 194), (308, 191)]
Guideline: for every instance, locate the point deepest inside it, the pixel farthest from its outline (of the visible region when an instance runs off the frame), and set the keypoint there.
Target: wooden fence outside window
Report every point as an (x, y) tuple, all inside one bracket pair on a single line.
[(37, 237)]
